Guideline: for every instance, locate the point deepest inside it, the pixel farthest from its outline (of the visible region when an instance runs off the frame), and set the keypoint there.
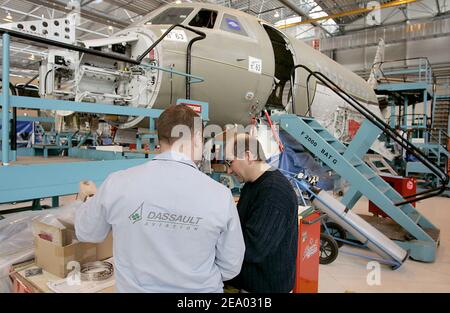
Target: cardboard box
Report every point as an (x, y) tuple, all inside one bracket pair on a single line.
[(54, 258), (55, 235)]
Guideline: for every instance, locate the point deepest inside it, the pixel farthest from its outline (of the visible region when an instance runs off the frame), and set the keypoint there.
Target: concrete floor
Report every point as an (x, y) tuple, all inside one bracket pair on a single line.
[(349, 273)]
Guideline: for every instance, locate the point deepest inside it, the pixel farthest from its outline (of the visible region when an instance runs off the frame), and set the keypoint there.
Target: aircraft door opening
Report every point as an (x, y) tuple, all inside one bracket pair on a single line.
[(284, 62)]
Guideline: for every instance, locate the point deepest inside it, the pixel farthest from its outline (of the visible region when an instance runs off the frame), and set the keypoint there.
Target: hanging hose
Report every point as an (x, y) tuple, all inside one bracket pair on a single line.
[(269, 120)]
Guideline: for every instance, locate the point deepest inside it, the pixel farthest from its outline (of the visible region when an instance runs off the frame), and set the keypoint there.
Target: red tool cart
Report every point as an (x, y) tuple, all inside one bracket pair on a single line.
[(403, 185), (307, 267)]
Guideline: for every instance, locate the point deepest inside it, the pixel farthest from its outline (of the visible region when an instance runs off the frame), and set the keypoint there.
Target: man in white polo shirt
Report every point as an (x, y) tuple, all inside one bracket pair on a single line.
[(174, 228)]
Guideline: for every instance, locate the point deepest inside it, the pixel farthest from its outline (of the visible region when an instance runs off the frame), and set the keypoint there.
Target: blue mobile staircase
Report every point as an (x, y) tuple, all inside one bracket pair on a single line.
[(408, 228), (435, 151)]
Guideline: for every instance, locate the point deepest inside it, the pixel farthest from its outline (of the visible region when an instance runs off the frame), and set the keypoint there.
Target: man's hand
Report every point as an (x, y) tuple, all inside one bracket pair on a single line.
[(87, 189)]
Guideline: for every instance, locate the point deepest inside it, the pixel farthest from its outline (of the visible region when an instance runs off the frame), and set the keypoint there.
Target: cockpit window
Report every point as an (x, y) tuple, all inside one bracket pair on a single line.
[(170, 16), (231, 24), (204, 18)]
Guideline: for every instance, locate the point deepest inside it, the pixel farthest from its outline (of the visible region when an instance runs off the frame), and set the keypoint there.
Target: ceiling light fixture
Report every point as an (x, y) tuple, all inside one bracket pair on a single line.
[(276, 14), (8, 18)]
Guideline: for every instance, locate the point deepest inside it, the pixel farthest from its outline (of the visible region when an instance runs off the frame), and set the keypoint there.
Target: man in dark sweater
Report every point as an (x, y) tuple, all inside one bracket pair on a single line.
[(268, 211)]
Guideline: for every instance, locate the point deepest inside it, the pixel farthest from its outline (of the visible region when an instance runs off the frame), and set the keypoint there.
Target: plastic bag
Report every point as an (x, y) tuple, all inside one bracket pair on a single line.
[(16, 243), (16, 237), (66, 213), (296, 159)]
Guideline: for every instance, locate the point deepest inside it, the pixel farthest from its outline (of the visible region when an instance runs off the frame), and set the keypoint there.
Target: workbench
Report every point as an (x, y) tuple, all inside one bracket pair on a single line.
[(38, 283)]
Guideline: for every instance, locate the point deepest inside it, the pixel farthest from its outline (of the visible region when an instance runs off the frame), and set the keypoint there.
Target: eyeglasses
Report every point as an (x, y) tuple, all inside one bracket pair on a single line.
[(228, 162)]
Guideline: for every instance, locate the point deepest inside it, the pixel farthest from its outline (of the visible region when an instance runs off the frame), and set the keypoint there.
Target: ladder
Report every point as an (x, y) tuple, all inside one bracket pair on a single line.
[(379, 164), (420, 236), (439, 155), (437, 152), (440, 120)]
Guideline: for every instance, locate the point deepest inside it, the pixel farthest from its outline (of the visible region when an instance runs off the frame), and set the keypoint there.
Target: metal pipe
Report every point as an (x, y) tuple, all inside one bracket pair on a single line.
[(55, 43), (438, 7), (13, 128), (28, 82), (14, 134), (201, 36), (141, 57), (5, 100), (189, 64), (267, 11), (350, 12)]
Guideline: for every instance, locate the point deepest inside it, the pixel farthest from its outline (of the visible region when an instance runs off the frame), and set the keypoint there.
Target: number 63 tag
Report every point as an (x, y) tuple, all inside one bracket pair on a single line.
[(254, 65), (175, 35)]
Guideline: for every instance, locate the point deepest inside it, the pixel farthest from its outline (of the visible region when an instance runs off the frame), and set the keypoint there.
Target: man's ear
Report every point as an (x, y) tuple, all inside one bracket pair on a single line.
[(198, 138), (250, 157), (197, 146)]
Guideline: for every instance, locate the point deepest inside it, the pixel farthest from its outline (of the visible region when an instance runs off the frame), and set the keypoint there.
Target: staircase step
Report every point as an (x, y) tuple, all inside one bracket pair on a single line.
[(415, 216), (356, 162), (384, 189), (403, 206), (370, 176)]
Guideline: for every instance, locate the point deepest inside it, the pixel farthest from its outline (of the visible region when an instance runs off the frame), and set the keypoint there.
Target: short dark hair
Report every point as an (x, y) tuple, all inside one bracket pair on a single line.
[(251, 143), (173, 116)]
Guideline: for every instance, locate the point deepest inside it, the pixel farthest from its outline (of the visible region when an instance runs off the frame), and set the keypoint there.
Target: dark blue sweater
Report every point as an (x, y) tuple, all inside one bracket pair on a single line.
[(268, 213)]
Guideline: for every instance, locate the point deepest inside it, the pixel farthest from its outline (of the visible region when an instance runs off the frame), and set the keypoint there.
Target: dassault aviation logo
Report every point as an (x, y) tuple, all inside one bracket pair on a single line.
[(136, 216), (159, 218)]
